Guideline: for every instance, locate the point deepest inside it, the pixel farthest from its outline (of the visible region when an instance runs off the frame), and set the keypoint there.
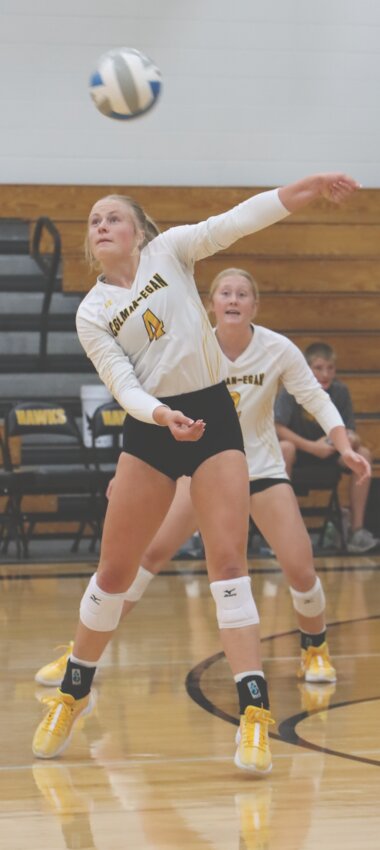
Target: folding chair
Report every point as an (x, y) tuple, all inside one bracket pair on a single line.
[(11, 523), (307, 479), (53, 462), (106, 421)]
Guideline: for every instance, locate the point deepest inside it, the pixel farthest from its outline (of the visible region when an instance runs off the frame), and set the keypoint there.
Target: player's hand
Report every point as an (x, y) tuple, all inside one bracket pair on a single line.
[(358, 464), (184, 429), (337, 187), (322, 448), (180, 426)]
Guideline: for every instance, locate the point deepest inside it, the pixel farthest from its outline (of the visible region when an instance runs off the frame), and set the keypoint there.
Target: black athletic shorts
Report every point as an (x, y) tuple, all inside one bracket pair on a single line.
[(156, 446), (261, 484), (306, 459)]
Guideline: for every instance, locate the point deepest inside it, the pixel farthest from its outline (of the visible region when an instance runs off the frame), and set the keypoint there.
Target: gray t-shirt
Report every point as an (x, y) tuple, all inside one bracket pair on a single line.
[(293, 416)]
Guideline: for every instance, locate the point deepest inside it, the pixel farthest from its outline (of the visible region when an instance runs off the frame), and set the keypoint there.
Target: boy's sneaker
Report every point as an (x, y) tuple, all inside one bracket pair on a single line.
[(54, 732), (361, 541), (253, 751), (51, 675), (316, 664)]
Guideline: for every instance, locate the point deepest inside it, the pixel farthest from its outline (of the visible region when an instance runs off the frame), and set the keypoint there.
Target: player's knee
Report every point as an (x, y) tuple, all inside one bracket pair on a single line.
[(228, 565), (112, 573), (235, 605), (310, 603), (99, 610), (299, 573)]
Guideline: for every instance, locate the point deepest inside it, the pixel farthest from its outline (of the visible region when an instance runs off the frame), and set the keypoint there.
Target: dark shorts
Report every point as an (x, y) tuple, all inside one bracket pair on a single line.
[(156, 446), (261, 484), (306, 459)]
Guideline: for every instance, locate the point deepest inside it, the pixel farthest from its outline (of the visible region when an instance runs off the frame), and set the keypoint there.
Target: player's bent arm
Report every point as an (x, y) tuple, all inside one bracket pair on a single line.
[(115, 369), (358, 464), (299, 381), (340, 439), (354, 439)]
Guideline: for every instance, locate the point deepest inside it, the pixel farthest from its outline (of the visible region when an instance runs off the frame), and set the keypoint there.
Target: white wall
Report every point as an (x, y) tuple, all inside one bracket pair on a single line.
[(256, 92)]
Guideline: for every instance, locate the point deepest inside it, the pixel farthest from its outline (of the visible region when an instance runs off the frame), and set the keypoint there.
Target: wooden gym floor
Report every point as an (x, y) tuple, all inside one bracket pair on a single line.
[(152, 766)]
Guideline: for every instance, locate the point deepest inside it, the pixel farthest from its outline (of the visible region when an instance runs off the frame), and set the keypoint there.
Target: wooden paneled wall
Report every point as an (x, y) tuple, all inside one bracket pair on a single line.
[(318, 271), (322, 249)]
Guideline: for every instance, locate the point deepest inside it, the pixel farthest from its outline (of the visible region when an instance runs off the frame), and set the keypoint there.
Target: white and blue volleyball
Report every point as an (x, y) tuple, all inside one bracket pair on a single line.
[(126, 84)]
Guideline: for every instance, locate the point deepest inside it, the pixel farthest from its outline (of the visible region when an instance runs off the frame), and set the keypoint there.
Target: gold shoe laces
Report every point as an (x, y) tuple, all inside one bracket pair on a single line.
[(60, 718), (254, 716)]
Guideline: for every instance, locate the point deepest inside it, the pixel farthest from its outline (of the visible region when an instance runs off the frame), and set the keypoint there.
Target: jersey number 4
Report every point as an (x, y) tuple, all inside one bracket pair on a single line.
[(154, 326)]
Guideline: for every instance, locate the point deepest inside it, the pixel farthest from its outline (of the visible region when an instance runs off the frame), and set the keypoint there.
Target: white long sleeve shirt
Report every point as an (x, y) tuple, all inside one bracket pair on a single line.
[(254, 379), (154, 340)]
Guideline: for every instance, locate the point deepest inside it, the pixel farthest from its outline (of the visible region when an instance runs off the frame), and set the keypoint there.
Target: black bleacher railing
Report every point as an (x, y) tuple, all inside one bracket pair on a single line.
[(40, 355), (49, 264)]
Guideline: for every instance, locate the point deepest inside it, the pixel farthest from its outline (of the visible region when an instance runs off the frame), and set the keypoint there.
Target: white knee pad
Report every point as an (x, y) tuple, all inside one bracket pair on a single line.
[(311, 603), (100, 611), (139, 585), (235, 605)]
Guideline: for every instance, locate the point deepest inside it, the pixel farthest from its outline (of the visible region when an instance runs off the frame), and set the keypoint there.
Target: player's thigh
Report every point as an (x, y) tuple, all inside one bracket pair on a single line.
[(275, 512), (178, 525), (140, 499), (220, 494)]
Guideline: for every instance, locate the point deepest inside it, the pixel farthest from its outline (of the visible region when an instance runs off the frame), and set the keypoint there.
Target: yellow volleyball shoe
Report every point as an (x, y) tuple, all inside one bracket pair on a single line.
[(51, 675), (55, 730), (316, 664), (253, 751)]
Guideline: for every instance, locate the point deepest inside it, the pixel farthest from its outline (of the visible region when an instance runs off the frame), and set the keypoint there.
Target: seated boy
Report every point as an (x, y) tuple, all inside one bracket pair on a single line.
[(303, 441)]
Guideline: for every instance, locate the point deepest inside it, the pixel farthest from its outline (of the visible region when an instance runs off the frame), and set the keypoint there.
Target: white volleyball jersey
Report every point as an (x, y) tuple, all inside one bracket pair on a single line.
[(154, 339), (254, 379)]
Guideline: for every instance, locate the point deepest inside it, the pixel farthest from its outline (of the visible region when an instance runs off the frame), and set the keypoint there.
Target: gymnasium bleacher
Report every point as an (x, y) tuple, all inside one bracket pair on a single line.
[(319, 278)]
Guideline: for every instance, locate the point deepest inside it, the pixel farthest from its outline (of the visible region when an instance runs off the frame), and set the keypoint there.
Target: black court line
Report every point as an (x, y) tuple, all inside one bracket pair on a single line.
[(287, 732), (188, 571), (34, 576), (287, 728)]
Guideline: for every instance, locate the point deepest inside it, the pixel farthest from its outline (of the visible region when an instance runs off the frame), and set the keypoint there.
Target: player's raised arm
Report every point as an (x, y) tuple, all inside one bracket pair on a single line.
[(334, 186)]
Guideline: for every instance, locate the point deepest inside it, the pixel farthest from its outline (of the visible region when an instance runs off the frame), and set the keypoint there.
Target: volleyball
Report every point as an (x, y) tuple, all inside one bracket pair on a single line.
[(126, 84)]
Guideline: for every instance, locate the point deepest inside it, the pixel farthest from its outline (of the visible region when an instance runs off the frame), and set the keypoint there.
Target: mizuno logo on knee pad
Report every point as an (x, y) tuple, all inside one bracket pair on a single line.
[(95, 599), (100, 611), (235, 607)]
